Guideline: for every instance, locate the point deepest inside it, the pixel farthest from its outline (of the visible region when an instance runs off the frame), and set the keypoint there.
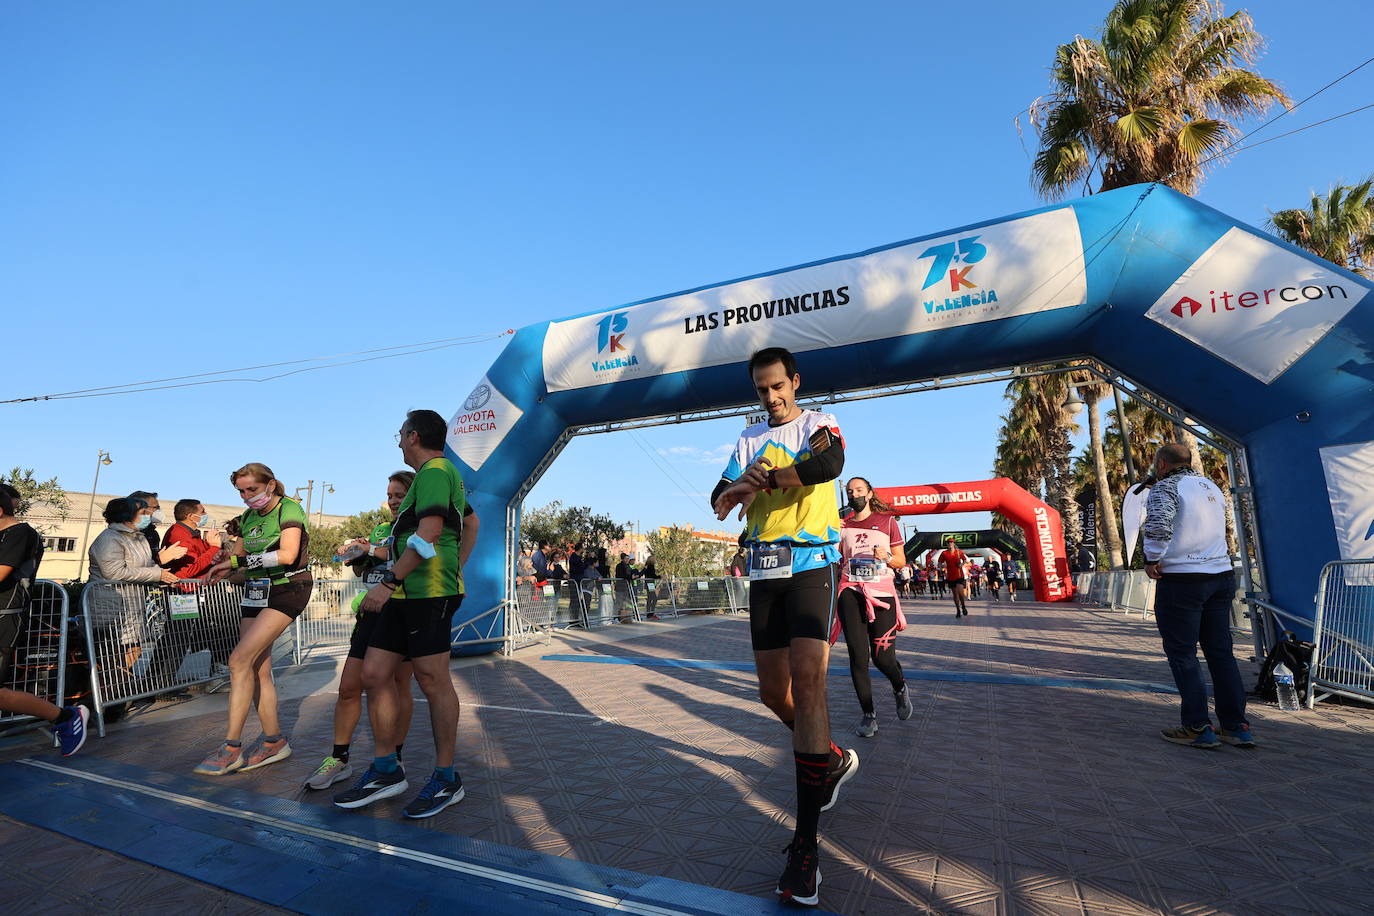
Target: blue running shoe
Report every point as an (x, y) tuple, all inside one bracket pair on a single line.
[(437, 795), (1202, 738), (72, 733), (1237, 737), (372, 786)]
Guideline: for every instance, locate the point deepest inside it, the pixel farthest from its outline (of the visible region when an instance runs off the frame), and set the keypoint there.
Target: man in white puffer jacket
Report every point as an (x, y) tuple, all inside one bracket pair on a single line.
[(1185, 550)]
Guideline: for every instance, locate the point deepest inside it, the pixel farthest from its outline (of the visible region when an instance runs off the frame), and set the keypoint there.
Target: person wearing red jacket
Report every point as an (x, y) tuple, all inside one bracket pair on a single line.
[(201, 550)]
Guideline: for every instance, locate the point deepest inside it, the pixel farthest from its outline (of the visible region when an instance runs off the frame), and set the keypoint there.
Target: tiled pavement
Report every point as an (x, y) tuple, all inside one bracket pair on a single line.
[(993, 798)]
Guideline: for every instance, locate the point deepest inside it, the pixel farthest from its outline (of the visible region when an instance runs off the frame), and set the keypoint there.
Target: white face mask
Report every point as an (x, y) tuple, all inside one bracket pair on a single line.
[(157, 516)]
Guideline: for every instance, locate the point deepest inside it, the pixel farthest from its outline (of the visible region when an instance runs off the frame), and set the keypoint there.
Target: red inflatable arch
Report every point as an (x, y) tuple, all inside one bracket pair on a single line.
[(1046, 556)]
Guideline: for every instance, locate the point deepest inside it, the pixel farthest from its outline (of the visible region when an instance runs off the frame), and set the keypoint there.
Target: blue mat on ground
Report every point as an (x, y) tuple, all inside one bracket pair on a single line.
[(969, 677), (313, 859)]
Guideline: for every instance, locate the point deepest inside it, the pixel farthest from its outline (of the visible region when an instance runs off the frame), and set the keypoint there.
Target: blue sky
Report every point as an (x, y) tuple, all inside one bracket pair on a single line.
[(191, 188)]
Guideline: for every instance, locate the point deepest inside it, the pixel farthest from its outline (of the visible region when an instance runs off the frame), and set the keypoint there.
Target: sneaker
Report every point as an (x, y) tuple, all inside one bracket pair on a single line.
[(266, 752), (801, 879), (372, 786), (331, 771), (222, 762), (1203, 738), (868, 726), (1237, 737), (437, 795), (903, 698), (72, 733), (849, 765)]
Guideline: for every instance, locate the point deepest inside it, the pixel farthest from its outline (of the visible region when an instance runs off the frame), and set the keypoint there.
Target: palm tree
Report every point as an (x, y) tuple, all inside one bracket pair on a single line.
[(1034, 447), (1092, 393), (1150, 99), (1338, 226)]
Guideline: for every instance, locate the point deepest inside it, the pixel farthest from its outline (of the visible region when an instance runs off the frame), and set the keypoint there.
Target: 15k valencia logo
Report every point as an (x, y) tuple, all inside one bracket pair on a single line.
[(952, 263), (610, 339)]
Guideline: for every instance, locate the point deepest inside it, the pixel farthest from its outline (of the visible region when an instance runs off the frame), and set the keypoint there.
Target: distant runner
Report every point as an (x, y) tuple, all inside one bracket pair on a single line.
[(952, 560)]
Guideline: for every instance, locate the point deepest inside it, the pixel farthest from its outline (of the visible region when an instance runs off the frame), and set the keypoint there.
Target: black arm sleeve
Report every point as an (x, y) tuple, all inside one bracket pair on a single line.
[(720, 488), (822, 466)]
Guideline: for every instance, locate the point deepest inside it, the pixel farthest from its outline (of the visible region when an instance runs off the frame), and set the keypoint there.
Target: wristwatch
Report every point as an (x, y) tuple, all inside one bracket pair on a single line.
[(388, 578)]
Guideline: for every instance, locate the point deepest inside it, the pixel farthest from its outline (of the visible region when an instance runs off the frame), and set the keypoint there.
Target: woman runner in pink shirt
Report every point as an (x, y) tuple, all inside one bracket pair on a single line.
[(870, 549)]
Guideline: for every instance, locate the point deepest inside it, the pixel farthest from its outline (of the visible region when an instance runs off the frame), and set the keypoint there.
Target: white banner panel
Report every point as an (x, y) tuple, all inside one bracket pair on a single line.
[(1133, 516), (481, 423), (1032, 264), (1254, 304), (1350, 487)]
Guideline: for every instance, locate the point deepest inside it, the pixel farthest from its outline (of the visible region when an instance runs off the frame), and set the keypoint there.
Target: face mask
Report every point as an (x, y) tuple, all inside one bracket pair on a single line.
[(204, 522), (858, 503), (259, 501), (157, 516), (143, 521)]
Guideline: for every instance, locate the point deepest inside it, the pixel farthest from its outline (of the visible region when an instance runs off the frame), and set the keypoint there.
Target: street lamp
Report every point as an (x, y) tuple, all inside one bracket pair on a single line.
[(309, 492), (1073, 403), (324, 488), (102, 458)]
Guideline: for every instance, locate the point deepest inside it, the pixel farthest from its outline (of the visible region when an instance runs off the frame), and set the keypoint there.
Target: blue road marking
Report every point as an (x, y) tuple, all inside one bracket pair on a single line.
[(967, 677), (315, 859)]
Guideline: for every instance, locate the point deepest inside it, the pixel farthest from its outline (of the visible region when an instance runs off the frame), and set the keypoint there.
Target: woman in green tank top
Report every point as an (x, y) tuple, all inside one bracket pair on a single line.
[(349, 707), (271, 561)]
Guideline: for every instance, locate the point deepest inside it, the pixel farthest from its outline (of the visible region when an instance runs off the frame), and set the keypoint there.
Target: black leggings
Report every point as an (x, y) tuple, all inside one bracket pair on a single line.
[(875, 641)]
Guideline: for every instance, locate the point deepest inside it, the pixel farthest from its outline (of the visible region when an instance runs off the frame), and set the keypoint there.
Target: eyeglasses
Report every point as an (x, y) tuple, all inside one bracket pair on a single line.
[(400, 434)]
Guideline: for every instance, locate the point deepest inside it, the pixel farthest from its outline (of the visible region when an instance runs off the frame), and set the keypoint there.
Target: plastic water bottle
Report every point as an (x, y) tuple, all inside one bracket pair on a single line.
[(1283, 684)]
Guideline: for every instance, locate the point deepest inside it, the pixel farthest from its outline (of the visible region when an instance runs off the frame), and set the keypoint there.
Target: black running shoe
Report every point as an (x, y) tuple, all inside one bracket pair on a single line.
[(372, 786), (849, 765), (437, 795), (903, 698), (801, 879)]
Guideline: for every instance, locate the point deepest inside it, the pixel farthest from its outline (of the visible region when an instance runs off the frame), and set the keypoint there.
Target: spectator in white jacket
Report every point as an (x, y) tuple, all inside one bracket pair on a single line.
[(121, 553)]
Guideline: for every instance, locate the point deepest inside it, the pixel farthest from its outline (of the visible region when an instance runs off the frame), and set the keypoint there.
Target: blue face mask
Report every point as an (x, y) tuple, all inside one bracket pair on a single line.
[(204, 522), (143, 522)]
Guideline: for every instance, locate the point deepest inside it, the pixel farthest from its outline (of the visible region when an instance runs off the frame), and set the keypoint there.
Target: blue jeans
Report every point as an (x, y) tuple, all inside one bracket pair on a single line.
[(1193, 612)]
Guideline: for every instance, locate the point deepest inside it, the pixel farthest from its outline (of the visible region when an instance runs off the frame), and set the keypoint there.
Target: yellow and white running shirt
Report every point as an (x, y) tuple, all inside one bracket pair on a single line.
[(805, 516)]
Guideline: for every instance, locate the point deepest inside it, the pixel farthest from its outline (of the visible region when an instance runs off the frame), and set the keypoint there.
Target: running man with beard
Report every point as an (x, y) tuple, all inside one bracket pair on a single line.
[(780, 478)]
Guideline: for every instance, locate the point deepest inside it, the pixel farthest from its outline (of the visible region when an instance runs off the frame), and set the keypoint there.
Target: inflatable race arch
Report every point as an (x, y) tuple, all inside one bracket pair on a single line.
[(1047, 558), (1254, 339), (987, 541)]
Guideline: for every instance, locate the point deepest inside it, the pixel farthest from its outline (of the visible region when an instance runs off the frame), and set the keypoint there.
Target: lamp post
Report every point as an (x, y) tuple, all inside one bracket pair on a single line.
[(309, 489), (324, 488), (102, 458)]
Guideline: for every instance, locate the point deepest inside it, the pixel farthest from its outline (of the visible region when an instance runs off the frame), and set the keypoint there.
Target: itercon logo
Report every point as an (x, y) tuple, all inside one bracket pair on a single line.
[(1229, 301), (952, 264), (610, 338)]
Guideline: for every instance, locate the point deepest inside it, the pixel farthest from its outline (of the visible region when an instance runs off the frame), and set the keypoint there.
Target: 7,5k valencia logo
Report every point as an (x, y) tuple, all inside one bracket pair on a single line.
[(610, 338), (967, 251)]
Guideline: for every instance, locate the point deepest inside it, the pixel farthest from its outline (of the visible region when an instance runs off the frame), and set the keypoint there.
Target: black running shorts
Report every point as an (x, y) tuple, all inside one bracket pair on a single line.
[(953, 582), (290, 598), (799, 607), (11, 631), (416, 627)]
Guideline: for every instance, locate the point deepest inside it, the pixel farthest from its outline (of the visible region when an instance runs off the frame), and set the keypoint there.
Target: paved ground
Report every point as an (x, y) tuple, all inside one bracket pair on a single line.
[(998, 796)]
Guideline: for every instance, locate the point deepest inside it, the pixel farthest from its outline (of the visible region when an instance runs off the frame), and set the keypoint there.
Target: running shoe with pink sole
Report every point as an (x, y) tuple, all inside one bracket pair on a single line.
[(265, 752)]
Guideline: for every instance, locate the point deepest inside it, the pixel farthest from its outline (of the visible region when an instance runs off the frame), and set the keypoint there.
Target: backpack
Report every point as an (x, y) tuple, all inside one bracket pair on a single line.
[(1294, 653)]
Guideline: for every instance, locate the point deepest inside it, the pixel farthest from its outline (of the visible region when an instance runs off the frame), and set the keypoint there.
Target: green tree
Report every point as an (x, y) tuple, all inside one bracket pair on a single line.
[(1150, 100), (1338, 226), (1035, 448), (679, 553), (562, 525), (46, 496)]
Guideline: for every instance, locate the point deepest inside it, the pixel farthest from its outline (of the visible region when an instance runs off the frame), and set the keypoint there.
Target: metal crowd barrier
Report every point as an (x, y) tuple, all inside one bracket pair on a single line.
[(1343, 632), (145, 640), (592, 603), (40, 658), (721, 593)]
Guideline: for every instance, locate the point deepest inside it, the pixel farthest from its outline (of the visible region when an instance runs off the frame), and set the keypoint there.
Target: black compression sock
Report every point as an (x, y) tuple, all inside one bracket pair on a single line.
[(398, 752), (64, 715), (340, 752), (811, 780)]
